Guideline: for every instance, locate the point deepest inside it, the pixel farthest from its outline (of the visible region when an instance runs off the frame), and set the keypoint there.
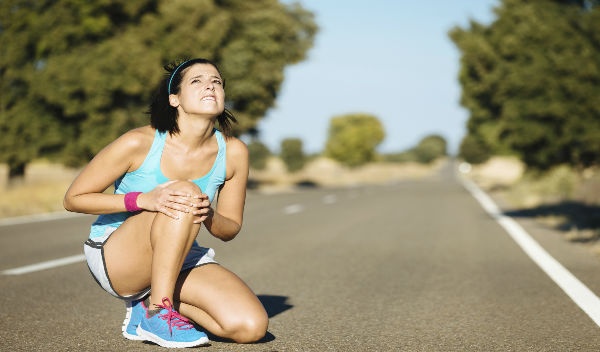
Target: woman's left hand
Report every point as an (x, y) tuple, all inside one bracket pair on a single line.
[(201, 209)]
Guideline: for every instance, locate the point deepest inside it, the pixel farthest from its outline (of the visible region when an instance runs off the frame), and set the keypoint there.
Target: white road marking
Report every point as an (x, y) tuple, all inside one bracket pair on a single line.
[(330, 199), (575, 289), (26, 219), (45, 265), (293, 209)]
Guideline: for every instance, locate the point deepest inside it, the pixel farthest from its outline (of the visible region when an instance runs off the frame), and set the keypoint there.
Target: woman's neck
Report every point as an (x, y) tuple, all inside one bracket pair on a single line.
[(195, 133)]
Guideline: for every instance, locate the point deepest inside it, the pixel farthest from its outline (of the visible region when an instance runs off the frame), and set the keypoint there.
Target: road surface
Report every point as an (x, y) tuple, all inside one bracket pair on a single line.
[(408, 266)]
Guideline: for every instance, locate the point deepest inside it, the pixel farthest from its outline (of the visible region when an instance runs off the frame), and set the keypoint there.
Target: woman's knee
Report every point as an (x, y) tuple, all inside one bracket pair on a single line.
[(186, 186), (248, 329)]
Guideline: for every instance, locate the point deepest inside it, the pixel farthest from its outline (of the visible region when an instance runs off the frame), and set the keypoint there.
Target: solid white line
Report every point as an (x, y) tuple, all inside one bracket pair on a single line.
[(575, 289), (45, 265)]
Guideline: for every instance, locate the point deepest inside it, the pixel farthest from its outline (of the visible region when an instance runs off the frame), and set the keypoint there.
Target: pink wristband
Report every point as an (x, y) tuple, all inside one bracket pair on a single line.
[(131, 201)]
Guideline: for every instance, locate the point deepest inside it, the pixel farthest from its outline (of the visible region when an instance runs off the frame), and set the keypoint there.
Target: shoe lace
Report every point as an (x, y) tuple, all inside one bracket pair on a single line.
[(173, 318)]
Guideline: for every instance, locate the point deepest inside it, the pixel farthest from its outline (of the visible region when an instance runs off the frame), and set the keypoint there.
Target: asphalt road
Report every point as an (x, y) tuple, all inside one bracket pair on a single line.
[(408, 266)]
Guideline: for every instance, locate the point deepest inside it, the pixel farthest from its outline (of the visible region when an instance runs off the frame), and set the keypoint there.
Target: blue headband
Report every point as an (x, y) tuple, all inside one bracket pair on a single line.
[(173, 75)]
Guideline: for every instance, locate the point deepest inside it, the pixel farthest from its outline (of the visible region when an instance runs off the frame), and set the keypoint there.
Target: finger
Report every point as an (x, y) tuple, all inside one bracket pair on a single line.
[(169, 213), (199, 219), (181, 201), (180, 193), (184, 208)]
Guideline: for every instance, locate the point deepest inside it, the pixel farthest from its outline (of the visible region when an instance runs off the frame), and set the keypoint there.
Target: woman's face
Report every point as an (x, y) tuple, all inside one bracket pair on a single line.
[(201, 91)]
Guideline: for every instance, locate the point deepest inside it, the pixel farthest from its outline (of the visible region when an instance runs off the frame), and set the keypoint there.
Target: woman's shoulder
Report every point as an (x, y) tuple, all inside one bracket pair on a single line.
[(235, 147), (137, 138)]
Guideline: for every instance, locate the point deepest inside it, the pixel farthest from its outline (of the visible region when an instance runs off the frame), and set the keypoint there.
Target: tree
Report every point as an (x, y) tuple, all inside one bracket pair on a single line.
[(292, 154), (430, 148), (76, 74), (531, 81), (353, 138), (259, 153), (474, 150)]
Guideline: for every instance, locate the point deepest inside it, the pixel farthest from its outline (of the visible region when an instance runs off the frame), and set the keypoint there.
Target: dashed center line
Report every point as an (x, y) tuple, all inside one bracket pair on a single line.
[(293, 209), (330, 199)]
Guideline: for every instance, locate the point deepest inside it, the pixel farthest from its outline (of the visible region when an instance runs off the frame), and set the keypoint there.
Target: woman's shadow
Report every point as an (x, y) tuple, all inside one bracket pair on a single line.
[(273, 305)]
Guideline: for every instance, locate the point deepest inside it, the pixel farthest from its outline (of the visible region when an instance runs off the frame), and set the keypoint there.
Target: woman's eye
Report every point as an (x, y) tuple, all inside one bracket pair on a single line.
[(217, 81), (195, 80)]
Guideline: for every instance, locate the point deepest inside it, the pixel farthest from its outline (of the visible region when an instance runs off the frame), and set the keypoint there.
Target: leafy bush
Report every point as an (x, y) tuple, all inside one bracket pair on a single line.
[(474, 151), (430, 148), (292, 154), (259, 154), (353, 138)]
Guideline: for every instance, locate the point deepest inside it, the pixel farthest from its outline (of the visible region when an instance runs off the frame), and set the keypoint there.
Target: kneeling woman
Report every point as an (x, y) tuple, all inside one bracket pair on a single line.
[(142, 248)]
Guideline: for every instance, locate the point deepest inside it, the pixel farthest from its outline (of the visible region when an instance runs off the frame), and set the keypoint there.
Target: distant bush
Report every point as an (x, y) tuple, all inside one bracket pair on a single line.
[(402, 157), (353, 138), (292, 154), (429, 149), (474, 151), (259, 154)]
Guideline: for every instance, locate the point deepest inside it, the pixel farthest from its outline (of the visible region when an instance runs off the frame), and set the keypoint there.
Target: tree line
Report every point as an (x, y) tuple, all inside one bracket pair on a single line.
[(76, 74), (531, 83), (352, 141)]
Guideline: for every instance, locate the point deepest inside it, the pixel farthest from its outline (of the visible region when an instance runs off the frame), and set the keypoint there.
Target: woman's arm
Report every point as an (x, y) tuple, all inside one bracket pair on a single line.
[(226, 221), (85, 195)]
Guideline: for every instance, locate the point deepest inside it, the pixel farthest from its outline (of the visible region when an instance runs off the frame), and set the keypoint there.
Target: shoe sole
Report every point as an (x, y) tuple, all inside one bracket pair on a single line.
[(126, 323), (148, 336)]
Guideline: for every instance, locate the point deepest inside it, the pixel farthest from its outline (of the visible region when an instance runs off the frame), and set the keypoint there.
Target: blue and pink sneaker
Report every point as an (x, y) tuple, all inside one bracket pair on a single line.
[(168, 328), (136, 310)]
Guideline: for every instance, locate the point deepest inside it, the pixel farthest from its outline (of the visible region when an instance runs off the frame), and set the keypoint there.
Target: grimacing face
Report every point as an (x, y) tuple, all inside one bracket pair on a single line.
[(201, 91)]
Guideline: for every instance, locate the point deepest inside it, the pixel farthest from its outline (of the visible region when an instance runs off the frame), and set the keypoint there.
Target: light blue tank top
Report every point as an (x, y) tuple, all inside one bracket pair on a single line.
[(149, 175)]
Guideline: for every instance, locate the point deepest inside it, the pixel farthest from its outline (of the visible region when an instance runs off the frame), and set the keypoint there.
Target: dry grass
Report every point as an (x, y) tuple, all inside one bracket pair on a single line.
[(44, 184), (324, 172), (32, 199), (40, 191)]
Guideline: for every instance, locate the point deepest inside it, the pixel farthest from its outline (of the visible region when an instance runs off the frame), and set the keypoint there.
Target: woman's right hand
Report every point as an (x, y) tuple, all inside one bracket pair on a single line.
[(165, 200)]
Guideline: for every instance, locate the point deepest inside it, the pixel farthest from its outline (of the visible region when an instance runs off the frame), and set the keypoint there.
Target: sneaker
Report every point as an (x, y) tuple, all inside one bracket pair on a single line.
[(136, 310), (168, 328)]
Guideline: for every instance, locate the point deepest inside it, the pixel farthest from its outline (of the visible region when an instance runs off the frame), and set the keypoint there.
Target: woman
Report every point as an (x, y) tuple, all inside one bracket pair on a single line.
[(166, 176)]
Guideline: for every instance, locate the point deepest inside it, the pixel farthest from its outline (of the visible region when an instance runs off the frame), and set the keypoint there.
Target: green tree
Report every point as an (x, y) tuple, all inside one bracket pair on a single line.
[(259, 153), (353, 138), (474, 150), (292, 154), (430, 148), (531, 81), (76, 74)]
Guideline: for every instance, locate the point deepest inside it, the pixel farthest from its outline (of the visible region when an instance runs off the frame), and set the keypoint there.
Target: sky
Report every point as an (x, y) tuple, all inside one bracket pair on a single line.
[(389, 58)]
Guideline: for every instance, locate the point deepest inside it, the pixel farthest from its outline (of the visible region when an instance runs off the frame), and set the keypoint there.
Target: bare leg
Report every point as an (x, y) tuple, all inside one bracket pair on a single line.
[(171, 241), (222, 303), (148, 249)]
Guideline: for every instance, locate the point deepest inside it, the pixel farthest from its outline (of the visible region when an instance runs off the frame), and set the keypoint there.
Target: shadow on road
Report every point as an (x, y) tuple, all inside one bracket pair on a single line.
[(274, 304), (574, 215)]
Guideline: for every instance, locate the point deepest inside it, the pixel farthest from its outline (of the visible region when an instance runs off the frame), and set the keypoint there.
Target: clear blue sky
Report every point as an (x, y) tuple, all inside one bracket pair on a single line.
[(389, 58)]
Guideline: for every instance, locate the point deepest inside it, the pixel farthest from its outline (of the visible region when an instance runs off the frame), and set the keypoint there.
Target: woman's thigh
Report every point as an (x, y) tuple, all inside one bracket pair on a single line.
[(128, 254), (223, 296)]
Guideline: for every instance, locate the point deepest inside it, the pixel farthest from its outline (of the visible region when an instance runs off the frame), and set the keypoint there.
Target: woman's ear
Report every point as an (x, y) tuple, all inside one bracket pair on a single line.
[(173, 100)]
